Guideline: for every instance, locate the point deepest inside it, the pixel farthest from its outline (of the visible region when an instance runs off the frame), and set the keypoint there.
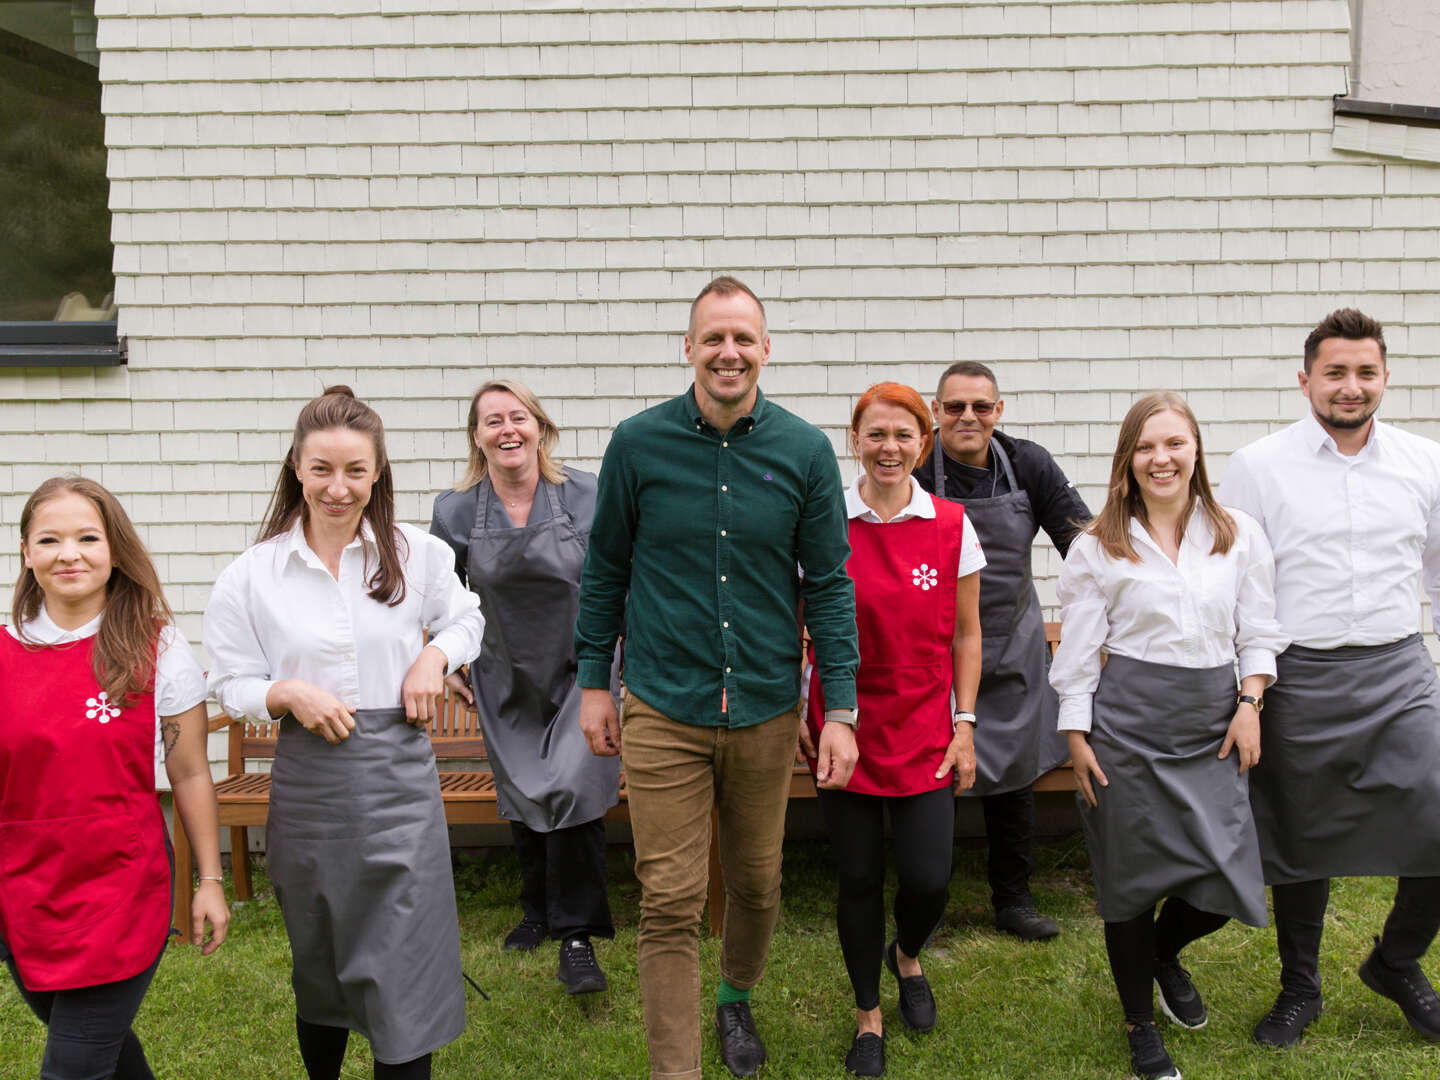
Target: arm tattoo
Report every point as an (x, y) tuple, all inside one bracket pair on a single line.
[(170, 733)]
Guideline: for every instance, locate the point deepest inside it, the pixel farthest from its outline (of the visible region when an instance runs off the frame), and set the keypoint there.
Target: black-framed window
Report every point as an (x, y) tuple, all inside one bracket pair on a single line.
[(57, 282)]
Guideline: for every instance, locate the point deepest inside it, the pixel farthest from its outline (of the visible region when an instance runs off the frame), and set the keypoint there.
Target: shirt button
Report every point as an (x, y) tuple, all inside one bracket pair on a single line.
[(727, 671), (726, 625), (724, 487), (722, 532), (726, 443), (722, 577)]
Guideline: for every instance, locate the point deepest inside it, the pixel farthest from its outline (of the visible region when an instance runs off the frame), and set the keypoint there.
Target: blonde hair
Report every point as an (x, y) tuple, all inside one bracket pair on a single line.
[(1111, 526), (477, 468)]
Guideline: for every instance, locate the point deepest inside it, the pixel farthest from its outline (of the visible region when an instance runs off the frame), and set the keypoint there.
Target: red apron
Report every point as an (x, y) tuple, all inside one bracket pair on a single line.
[(904, 576), (84, 862)]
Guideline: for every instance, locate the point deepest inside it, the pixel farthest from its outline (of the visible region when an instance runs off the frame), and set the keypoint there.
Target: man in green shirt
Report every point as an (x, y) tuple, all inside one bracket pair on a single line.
[(707, 504)]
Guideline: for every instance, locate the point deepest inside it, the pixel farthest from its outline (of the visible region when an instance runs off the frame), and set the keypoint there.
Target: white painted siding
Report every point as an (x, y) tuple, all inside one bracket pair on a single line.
[(1097, 197)]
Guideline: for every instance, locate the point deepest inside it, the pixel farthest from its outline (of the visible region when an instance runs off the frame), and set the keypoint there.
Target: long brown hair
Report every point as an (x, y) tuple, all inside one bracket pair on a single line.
[(1122, 501), (477, 468), (135, 607), (338, 407)]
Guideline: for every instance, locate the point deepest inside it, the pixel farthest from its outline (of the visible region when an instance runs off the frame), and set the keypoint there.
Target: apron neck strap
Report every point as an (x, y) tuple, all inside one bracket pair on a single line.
[(1002, 463), (487, 488)]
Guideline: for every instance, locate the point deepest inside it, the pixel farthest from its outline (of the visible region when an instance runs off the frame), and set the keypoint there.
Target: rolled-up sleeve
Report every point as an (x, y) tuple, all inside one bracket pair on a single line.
[(1258, 635), (822, 548), (1075, 672), (450, 611), (239, 676)]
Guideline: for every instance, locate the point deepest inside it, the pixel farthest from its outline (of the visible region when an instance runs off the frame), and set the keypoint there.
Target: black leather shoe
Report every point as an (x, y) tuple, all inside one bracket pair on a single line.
[(740, 1045), (1287, 1019), (1026, 923), (579, 970), (867, 1055), (1407, 987), (527, 935), (917, 1003)]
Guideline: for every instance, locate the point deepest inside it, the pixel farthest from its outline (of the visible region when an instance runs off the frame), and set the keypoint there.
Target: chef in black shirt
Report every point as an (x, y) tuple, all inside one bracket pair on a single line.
[(1011, 488)]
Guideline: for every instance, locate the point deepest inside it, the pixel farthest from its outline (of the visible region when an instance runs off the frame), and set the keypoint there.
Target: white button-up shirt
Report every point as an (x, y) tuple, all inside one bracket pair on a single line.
[(921, 505), (276, 613), (1201, 612), (1354, 537)]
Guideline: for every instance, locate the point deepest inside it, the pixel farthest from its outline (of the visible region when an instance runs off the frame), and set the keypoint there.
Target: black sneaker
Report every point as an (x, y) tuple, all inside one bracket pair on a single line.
[(917, 1003), (1407, 987), (579, 970), (1026, 923), (528, 935), (1148, 1058), (867, 1055), (740, 1045), (1178, 996), (1287, 1019)]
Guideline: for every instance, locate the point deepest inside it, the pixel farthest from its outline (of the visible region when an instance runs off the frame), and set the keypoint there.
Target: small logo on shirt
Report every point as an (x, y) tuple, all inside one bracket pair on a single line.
[(924, 577), (101, 708)]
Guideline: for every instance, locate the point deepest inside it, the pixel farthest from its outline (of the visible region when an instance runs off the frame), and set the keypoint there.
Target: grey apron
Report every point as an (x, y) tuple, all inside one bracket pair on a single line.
[(1016, 708), (1349, 778), (359, 856), (528, 581), (1175, 819)]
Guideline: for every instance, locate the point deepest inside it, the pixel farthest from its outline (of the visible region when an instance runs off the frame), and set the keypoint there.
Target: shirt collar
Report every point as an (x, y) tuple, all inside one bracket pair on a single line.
[(1316, 438), (1197, 531), (42, 629), (295, 545), (749, 420), (919, 506)]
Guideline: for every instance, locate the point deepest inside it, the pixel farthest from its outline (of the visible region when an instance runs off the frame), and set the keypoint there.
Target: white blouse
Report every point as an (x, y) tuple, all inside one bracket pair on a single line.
[(1199, 613), (276, 613), (921, 505), (179, 679)]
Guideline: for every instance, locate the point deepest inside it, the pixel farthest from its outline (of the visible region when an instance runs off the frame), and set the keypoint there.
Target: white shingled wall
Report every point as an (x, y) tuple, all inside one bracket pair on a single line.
[(1097, 197)]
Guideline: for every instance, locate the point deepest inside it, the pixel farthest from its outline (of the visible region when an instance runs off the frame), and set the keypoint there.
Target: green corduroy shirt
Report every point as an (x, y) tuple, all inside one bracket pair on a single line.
[(703, 531)]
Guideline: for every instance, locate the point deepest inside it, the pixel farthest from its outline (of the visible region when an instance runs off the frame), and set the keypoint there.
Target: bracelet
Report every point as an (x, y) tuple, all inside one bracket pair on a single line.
[(219, 879)]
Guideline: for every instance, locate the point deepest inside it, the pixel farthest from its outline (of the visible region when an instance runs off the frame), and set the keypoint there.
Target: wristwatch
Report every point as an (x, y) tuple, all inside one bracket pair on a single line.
[(960, 716), (1246, 699), (849, 717)]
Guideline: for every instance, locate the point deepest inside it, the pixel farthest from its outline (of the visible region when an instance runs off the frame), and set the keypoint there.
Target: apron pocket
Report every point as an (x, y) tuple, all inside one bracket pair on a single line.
[(67, 873)]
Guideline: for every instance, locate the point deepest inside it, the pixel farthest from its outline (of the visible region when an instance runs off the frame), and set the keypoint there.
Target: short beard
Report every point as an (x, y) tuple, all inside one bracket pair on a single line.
[(1348, 423)]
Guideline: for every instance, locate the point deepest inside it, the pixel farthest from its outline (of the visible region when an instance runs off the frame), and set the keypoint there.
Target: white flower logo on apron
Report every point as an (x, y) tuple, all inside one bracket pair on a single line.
[(101, 708), (924, 577)]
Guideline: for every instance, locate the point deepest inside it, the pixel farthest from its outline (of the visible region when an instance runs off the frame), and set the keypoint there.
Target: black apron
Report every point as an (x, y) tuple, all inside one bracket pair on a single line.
[(528, 581), (359, 856), (1016, 709), (1175, 819), (1349, 777)]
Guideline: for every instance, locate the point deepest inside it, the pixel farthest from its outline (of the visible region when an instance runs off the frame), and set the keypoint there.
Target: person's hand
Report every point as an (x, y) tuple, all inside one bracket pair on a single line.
[(600, 721), (317, 711), (423, 685), (960, 756), (805, 745), (460, 687), (1082, 760), (1244, 736), (837, 756), (209, 906)]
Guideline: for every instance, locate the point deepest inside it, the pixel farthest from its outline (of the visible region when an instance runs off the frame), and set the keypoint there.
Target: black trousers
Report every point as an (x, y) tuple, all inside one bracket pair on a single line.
[(89, 1036), (562, 879), (1410, 927), (323, 1051), (1135, 945), (1010, 832), (923, 833)]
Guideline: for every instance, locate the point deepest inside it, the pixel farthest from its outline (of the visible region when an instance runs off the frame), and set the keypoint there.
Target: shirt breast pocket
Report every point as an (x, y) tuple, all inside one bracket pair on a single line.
[(1218, 592)]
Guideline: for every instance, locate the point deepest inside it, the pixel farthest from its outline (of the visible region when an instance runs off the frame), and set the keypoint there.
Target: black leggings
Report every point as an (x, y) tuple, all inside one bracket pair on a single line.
[(1136, 944), (89, 1036), (323, 1051), (923, 832)]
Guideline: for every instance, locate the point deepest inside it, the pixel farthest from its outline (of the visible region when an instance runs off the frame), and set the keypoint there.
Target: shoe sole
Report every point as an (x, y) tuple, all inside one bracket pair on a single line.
[(1168, 1076), (588, 986), (1027, 937), (1374, 984), (1165, 1008)]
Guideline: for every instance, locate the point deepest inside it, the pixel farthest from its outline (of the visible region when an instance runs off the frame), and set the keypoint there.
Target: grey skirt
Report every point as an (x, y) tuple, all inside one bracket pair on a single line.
[(359, 856), (1349, 779), (1175, 819)]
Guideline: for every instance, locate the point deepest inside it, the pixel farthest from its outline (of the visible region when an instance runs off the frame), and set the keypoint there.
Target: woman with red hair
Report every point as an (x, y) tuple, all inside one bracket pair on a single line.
[(919, 649)]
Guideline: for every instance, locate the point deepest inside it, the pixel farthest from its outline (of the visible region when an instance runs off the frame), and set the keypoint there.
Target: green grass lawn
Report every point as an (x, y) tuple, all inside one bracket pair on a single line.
[(1006, 1009)]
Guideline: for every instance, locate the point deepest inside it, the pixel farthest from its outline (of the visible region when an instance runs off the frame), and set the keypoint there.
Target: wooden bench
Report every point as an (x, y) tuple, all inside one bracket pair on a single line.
[(468, 796)]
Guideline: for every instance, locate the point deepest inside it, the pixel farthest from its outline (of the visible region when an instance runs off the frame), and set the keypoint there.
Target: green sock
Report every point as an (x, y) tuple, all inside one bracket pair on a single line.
[(728, 994)]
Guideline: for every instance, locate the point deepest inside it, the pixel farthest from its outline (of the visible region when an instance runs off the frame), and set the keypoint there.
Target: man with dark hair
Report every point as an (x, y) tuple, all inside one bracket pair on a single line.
[(1011, 488), (706, 504), (1349, 780)]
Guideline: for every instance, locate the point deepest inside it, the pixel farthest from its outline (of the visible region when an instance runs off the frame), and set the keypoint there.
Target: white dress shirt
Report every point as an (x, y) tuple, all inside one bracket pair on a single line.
[(179, 679), (1354, 537), (921, 505), (1198, 613), (276, 613)]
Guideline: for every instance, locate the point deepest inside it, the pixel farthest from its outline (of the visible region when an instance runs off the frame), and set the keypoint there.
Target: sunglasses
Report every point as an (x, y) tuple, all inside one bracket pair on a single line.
[(981, 409)]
